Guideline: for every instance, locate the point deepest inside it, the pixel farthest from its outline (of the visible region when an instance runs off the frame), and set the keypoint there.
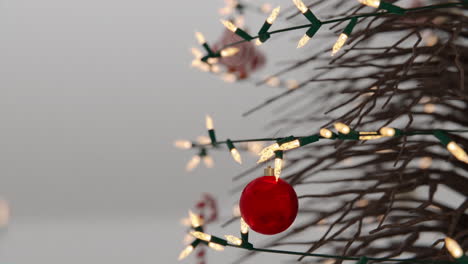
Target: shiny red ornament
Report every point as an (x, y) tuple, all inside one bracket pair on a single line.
[(268, 206)]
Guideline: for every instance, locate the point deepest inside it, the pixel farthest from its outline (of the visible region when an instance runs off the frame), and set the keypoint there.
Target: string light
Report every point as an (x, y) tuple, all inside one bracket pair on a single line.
[(201, 235), (263, 34), (208, 161), (371, 3), (233, 240), (244, 227), (210, 128), (384, 5), (453, 248), (291, 145), (369, 135), (234, 152), (344, 36), (292, 84), (268, 152), (195, 220), (266, 7), (326, 133), (186, 252), (227, 52), (193, 163), (457, 151), (278, 163), (301, 6), (308, 35), (229, 77), (183, 144), (244, 230), (274, 14), (189, 249), (316, 23), (229, 25), (342, 128), (303, 41), (273, 81), (213, 60), (200, 38), (215, 246), (196, 53), (387, 131), (233, 28)]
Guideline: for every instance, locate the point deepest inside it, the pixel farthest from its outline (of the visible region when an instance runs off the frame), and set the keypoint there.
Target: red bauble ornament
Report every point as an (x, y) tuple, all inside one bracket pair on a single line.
[(268, 206), (246, 61)]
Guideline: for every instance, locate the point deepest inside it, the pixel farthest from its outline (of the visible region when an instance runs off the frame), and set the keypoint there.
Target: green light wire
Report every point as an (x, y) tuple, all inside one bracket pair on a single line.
[(375, 14), (339, 136), (286, 252)]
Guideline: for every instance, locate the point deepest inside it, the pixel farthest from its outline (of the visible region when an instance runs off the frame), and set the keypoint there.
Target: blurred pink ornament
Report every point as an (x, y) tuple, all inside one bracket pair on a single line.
[(246, 61)]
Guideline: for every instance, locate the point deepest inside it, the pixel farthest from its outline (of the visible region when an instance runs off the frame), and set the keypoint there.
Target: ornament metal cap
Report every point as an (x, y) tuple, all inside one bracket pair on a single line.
[(269, 171)]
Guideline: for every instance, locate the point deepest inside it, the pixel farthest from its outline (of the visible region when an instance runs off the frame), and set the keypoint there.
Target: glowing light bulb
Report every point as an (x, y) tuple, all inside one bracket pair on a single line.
[(233, 240), (215, 69), (208, 161), (301, 6), (193, 163), (203, 140), (292, 84), (274, 14), (186, 252), (244, 227), (266, 8), (212, 60), (457, 151), (239, 21), (229, 77), (429, 108), (196, 53), (342, 128), (236, 210), (268, 152), (371, 3), (425, 162), (326, 133), (183, 144), (215, 246), (273, 81), (200, 65), (236, 155), (229, 25), (201, 235), (258, 42), (453, 248), (195, 220), (303, 41), (200, 38), (290, 145), (339, 43), (278, 167), (209, 122), (387, 131), (227, 52)]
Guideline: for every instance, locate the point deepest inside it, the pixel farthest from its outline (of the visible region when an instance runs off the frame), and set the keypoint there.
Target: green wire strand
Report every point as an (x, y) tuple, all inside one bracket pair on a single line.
[(404, 133), (286, 252), (375, 14)]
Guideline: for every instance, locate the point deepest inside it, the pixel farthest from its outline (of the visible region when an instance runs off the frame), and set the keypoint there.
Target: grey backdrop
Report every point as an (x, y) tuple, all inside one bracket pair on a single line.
[(93, 93)]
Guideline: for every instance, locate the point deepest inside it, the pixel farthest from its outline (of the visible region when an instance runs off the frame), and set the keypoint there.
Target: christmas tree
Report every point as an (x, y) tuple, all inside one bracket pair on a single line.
[(387, 112)]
